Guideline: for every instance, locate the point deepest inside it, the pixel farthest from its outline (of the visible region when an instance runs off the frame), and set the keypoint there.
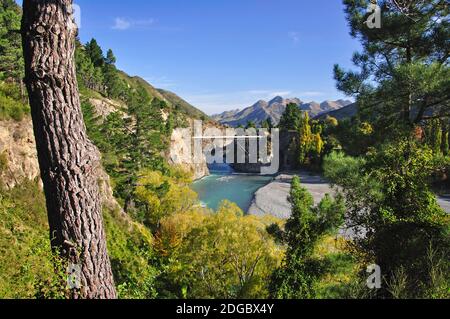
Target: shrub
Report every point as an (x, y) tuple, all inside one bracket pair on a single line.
[(11, 105), (388, 196), (217, 255)]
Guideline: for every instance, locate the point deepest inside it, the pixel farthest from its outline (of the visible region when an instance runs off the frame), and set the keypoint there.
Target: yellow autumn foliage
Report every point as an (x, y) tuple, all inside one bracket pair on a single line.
[(223, 254), (164, 195)]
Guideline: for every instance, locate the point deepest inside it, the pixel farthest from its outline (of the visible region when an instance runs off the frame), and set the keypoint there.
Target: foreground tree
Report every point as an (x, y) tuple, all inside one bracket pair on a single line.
[(221, 255), (403, 76), (395, 217), (67, 159), (295, 279), (11, 61)]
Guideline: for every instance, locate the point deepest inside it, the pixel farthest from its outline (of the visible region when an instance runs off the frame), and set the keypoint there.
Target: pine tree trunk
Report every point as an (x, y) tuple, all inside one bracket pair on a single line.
[(67, 159)]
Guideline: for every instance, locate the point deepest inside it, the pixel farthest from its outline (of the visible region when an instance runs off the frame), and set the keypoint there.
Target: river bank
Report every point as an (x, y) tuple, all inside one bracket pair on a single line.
[(273, 199)]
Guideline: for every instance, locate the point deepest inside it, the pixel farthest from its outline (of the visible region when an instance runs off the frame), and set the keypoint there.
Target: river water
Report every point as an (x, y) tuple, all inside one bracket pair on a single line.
[(224, 184)]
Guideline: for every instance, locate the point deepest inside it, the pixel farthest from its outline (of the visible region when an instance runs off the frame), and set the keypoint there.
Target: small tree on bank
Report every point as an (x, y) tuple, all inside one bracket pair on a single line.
[(306, 226)]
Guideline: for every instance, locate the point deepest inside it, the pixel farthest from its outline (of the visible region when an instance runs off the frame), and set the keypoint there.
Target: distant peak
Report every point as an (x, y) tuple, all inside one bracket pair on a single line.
[(277, 99), (260, 103)]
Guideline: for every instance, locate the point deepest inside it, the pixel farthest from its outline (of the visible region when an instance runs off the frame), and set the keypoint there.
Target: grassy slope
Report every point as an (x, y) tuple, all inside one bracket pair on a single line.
[(171, 98), (26, 262), (185, 107)]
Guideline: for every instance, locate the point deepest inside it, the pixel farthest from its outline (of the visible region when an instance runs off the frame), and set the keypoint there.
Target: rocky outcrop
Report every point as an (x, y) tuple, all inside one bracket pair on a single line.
[(103, 107), (176, 155), (19, 159), (18, 153), (181, 154)]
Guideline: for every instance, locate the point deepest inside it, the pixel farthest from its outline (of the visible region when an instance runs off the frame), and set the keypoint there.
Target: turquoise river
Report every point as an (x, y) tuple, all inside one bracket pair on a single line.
[(223, 184)]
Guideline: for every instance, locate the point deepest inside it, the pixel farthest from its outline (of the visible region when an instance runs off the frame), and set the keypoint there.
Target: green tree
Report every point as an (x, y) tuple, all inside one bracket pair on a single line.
[(446, 139), (11, 59), (88, 75), (291, 118), (305, 139), (250, 124), (95, 53), (110, 58), (317, 146), (267, 124), (436, 136), (115, 87), (307, 225), (404, 74), (223, 254), (396, 214)]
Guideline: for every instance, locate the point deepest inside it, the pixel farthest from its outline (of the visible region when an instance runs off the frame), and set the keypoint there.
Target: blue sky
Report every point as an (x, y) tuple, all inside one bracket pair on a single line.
[(225, 54)]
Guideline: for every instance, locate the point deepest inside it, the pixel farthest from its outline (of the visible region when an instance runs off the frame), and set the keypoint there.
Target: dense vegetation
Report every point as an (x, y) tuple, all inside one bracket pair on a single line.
[(150, 242), (401, 89), (390, 158), (307, 225), (314, 138)]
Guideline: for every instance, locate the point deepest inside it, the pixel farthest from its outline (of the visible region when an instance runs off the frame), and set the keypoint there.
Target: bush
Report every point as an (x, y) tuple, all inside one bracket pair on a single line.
[(26, 262), (11, 105), (28, 269), (307, 226), (216, 255), (388, 196), (131, 254)]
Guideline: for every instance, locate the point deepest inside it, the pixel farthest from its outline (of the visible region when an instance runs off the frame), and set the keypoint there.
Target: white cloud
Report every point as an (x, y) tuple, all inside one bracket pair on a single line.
[(294, 36), (121, 24), (125, 24)]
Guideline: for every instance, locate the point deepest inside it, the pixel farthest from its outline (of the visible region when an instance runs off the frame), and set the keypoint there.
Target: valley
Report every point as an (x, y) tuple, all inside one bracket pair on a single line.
[(116, 182)]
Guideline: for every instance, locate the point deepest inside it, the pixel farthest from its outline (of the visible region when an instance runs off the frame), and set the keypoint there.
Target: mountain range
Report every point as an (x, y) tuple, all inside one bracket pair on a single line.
[(274, 109)]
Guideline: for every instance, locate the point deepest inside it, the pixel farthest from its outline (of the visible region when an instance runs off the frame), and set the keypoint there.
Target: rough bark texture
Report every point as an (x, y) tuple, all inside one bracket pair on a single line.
[(67, 159)]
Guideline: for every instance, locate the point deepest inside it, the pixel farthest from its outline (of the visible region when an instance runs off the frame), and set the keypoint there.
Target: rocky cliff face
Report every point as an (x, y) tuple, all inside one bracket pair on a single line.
[(19, 159), (18, 152), (18, 156), (181, 154), (176, 154)]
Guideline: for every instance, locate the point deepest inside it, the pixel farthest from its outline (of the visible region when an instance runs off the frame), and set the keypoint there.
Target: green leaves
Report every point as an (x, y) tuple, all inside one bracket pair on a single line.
[(307, 225), (292, 117), (403, 74), (389, 200), (11, 60)]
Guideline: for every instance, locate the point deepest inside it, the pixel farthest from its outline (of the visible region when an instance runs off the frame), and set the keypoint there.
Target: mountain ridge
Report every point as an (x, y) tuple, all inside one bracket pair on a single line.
[(274, 109)]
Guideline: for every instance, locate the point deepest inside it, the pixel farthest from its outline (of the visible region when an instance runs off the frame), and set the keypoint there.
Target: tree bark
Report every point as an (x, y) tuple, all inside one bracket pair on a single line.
[(67, 158)]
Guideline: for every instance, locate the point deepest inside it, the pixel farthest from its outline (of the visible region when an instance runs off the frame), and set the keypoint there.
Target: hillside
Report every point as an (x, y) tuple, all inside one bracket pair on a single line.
[(179, 103), (172, 99), (274, 109), (135, 81), (342, 113)]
